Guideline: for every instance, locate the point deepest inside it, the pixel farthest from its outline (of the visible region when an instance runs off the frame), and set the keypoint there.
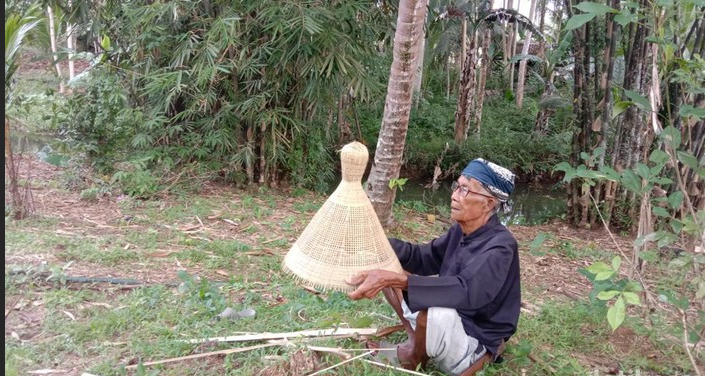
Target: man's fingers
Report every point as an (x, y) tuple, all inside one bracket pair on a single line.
[(356, 279)]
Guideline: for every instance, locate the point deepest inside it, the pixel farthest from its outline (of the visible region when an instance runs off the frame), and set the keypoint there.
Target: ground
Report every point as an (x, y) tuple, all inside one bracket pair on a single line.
[(234, 240)]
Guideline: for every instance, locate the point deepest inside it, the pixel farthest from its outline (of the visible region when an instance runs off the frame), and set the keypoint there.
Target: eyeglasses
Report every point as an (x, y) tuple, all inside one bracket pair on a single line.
[(465, 191)]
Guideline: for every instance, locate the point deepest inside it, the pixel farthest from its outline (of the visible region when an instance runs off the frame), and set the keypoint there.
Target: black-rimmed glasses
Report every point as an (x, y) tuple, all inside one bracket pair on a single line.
[(465, 191)]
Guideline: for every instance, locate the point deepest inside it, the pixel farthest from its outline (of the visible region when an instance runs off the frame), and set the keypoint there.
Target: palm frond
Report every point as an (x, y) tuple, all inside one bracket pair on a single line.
[(511, 15)]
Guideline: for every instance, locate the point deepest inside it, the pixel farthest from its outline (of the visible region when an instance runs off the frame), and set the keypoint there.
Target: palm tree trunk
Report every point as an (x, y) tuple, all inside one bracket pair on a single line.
[(54, 54), (485, 70), (395, 121), (509, 49), (522, 64)]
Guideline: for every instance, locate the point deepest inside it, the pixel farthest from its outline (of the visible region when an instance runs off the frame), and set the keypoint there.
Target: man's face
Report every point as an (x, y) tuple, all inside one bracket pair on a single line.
[(472, 207)]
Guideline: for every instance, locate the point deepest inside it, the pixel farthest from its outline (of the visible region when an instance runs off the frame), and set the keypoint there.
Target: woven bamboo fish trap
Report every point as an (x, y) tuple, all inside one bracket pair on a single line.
[(345, 236)]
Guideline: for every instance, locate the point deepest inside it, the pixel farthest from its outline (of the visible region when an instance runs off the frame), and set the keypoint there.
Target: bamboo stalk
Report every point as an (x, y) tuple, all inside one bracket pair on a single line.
[(203, 355), (303, 333)]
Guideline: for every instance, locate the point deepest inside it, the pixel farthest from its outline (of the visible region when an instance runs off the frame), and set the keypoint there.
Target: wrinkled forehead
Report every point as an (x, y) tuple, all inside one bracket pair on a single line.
[(471, 183)]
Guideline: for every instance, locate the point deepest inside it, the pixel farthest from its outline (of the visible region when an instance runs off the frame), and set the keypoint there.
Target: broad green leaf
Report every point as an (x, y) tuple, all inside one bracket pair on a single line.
[(675, 200), (661, 212), (596, 8), (690, 110), (607, 295), (650, 237), (649, 255), (631, 181), (616, 314), (667, 239), (563, 166), (599, 267), (665, 3), (579, 20), (639, 100), (679, 262), (658, 156), (105, 43), (688, 159), (676, 225), (643, 171), (610, 173), (631, 298), (620, 107), (625, 17), (616, 263), (672, 136)]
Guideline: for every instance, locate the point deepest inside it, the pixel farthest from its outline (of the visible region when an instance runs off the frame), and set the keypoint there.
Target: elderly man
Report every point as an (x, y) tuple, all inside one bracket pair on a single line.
[(461, 293)]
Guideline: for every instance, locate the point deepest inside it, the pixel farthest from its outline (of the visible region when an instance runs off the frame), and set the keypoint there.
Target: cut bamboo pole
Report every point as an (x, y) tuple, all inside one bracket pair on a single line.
[(288, 335)]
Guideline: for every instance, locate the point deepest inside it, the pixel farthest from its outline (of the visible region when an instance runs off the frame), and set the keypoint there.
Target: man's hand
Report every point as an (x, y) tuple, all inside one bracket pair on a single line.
[(371, 282)]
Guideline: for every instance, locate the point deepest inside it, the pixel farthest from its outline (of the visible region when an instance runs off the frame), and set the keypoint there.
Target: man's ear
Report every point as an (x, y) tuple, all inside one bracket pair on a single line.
[(491, 204)]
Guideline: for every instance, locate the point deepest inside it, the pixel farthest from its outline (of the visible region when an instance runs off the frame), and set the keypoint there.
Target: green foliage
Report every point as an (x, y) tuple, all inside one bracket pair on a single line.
[(99, 120), (17, 27), (607, 286)]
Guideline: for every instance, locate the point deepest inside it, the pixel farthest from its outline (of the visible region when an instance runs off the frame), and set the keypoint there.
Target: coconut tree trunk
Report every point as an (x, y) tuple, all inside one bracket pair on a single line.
[(542, 25), (54, 54), (485, 70), (463, 45), (509, 49), (522, 64), (419, 69), (395, 121)]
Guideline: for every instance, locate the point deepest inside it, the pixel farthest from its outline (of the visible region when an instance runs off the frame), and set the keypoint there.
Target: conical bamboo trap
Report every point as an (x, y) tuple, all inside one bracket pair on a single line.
[(345, 236)]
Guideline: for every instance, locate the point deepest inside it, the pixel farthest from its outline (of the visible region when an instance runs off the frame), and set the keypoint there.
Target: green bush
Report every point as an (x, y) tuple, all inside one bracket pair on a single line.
[(98, 119)]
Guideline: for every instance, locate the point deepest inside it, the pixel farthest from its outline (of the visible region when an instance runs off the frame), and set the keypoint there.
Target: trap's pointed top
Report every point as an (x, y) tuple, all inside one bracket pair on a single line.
[(345, 236)]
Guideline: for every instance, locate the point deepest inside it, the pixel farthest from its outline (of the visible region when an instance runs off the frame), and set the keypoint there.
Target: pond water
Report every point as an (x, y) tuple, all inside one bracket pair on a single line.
[(44, 147), (528, 205)]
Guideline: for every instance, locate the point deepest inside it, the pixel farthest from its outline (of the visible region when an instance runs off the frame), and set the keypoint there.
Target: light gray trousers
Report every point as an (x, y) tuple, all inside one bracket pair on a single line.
[(447, 345)]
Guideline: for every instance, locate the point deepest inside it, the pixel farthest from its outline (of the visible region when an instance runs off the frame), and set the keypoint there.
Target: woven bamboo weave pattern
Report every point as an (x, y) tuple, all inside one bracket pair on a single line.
[(345, 236)]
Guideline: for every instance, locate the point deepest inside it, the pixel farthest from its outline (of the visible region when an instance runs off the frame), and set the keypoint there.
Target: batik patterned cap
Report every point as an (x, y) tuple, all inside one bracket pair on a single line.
[(497, 179)]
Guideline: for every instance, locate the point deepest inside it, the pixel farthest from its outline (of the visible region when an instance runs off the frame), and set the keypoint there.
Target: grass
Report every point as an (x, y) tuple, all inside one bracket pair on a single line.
[(100, 328), (200, 253)]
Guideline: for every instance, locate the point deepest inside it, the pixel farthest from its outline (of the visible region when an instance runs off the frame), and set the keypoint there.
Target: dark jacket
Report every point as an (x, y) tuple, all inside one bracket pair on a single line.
[(478, 275)]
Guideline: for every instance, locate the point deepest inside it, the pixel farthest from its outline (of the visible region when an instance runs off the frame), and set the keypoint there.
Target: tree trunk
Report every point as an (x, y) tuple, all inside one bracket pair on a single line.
[(262, 154), (54, 54), (604, 107), (508, 47), (395, 121), (542, 25), (485, 70), (466, 94), (344, 132), (522, 64), (419, 70)]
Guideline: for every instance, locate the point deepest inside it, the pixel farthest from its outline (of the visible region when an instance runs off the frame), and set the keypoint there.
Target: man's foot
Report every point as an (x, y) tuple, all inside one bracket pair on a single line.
[(410, 358), (385, 353)]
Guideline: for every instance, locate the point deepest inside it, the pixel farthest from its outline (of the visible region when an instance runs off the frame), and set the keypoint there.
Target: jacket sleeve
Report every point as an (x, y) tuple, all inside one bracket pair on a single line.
[(422, 259), (473, 288)]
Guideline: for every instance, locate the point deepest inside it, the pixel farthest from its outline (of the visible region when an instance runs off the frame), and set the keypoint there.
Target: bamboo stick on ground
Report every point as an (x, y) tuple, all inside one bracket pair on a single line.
[(304, 333)]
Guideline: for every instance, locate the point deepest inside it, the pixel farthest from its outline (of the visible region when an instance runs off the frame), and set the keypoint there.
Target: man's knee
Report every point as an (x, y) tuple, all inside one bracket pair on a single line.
[(441, 327), (442, 316)]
